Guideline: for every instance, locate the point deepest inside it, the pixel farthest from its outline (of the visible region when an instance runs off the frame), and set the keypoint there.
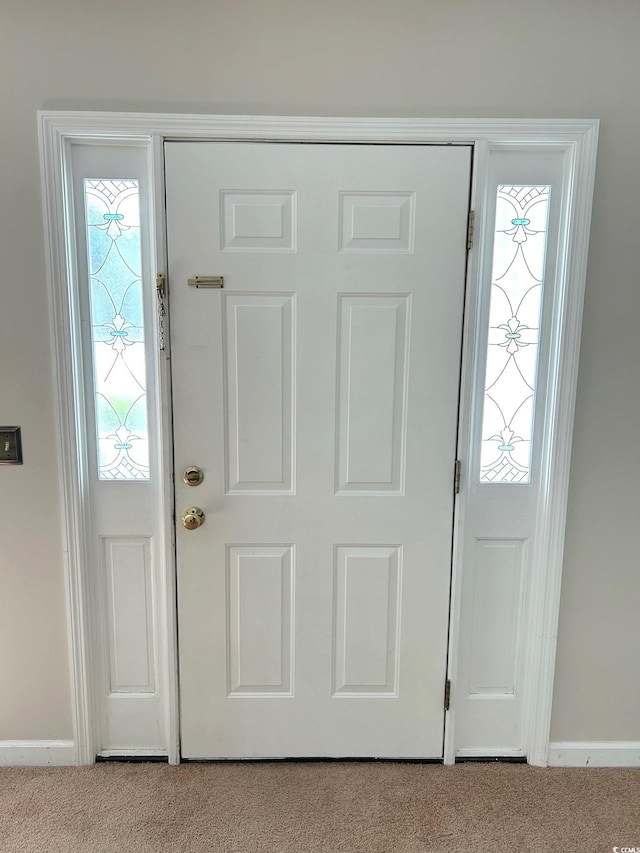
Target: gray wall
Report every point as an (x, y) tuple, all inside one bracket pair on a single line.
[(497, 58)]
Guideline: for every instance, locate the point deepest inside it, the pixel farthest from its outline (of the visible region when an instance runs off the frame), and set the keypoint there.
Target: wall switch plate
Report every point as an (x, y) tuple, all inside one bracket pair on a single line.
[(10, 445)]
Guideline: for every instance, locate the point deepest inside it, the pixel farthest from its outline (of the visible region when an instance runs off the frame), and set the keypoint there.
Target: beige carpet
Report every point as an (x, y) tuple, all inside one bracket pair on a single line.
[(308, 807)]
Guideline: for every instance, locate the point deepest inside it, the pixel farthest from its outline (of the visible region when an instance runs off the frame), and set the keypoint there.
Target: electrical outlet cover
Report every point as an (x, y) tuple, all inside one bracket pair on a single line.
[(10, 445)]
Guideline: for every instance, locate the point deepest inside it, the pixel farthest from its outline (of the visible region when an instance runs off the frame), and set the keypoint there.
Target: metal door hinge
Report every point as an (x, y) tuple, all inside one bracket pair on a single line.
[(457, 473), (470, 223), (447, 694)]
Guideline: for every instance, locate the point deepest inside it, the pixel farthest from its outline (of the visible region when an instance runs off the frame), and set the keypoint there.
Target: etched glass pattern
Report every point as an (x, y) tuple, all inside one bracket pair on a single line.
[(514, 318), (117, 328)]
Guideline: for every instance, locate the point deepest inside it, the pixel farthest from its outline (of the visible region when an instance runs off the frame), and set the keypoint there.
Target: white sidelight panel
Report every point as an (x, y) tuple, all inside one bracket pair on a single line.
[(130, 615), (118, 366), (497, 583), (506, 469)]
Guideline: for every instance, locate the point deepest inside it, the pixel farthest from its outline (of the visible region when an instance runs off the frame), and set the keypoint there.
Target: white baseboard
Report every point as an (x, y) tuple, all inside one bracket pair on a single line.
[(37, 753), (615, 753)]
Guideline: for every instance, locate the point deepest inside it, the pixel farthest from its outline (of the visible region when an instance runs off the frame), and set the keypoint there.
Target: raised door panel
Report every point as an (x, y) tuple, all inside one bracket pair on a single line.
[(377, 221), (259, 392), (373, 346), (366, 620), (257, 221), (260, 620)]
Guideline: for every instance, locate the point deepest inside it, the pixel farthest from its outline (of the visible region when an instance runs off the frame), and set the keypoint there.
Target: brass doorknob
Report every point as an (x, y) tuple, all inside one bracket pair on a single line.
[(193, 476), (193, 517)]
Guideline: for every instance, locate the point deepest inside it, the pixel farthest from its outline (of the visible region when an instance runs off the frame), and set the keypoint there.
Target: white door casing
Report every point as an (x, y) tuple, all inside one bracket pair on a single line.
[(319, 392), (572, 143)]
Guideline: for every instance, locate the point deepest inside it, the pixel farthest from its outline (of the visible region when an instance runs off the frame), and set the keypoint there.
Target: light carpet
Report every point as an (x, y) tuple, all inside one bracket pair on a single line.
[(325, 807)]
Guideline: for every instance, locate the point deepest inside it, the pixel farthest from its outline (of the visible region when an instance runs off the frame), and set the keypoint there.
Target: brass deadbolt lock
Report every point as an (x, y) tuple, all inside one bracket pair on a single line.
[(193, 517), (193, 476)]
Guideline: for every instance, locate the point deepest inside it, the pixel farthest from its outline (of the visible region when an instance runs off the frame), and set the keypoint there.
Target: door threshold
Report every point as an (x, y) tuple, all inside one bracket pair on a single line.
[(132, 759), (311, 760), (484, 759)]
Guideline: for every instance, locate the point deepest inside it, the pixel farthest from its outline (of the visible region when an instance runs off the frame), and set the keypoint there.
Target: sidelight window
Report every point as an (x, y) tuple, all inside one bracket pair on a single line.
[(517, 280), (112, 209)]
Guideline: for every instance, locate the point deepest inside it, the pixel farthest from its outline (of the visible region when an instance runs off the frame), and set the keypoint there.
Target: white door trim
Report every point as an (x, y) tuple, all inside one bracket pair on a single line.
[(576, 140)]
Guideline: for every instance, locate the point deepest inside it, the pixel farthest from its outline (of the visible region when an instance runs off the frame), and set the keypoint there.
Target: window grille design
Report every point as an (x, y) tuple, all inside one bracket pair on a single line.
[(117, 328), (514, 317)]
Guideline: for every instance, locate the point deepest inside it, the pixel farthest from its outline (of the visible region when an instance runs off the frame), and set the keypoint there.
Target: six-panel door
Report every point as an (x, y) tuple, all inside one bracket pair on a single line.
[(318, 392)]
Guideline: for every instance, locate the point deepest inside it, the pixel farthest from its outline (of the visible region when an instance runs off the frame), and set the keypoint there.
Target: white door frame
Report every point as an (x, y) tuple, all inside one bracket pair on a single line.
[(574, 141)]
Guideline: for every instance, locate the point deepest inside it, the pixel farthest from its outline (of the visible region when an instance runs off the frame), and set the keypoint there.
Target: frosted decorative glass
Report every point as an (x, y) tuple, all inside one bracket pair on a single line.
[(117, 328), (514, 317)]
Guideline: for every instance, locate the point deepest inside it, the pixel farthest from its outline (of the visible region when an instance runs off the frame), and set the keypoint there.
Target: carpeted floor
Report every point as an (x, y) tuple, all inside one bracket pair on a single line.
[(308, 807)]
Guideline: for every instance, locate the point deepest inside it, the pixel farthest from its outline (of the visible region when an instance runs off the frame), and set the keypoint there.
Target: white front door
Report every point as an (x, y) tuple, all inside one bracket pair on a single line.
[(318, 391)]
